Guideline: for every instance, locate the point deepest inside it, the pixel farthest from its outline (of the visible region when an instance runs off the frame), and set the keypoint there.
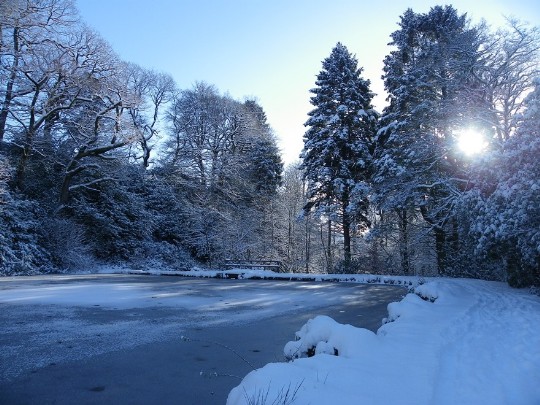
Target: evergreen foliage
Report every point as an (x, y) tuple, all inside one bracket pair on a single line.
[(338, 145), (22, 242), (428, 79)]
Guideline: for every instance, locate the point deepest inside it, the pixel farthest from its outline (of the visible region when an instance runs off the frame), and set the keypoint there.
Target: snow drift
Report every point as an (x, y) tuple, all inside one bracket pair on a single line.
[(453, 341)]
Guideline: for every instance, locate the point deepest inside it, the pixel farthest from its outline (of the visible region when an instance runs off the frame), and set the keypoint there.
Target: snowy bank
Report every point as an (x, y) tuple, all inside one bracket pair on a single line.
[(452, 342), (242, 273)]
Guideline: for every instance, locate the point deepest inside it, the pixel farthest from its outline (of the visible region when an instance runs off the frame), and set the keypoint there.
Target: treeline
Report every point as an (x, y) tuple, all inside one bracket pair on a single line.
[(105, 161), (396, 187)]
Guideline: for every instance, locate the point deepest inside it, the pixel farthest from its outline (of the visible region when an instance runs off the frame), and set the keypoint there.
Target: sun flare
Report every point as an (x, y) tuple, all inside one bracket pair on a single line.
[(471, 142)]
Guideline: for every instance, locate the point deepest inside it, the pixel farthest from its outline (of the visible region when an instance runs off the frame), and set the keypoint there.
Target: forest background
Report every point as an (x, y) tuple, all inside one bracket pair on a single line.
[(106, 161)]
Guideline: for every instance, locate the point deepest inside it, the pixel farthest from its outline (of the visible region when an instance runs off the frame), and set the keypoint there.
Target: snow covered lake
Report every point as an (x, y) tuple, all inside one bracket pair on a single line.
[(98, 338)]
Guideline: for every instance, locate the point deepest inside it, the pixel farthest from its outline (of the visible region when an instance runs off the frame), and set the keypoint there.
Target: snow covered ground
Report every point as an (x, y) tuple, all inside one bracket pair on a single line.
[(452, 342)]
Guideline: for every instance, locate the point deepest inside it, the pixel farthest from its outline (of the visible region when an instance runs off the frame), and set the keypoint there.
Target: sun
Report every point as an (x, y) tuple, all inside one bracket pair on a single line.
[(470, 141)]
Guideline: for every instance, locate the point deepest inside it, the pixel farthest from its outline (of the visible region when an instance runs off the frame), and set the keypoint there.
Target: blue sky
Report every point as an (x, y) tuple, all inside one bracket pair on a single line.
[(272, 49)]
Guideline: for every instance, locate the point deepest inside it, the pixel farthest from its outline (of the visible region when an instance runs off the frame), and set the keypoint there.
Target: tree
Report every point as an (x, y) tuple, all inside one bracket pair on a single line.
[(153, 91), (428, 77), (30, 32), (35, 63), (224, 153), (293, 248), (96, 121), (259, 175), (338, 145), (205, 128), (509, 217), (64, 94), (262, 153), (508, 62)]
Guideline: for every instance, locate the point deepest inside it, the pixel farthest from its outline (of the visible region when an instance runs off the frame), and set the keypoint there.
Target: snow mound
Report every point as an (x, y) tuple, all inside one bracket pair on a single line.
[(428, 292), (324, 335)]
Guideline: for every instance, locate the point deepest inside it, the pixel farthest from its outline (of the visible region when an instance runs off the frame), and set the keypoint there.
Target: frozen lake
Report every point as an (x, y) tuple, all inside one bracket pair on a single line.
[(118, 338)]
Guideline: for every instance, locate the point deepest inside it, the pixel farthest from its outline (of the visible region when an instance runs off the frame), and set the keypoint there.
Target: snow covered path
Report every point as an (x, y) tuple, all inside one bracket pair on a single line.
[(478, 342), (491, 351)]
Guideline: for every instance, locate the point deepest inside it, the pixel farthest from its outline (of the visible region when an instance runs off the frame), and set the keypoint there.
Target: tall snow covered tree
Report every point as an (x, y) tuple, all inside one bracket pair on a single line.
[(508, 223), (224, 152), (262, 155), (31, 35), (429, 80), (338, 145)]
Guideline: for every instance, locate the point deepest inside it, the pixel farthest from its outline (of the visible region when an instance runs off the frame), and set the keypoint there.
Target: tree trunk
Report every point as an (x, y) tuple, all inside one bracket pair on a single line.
[(48, 133), (346, 239), (346, 219), (33, 126), (9, 85), (329, 247), (146, 154), (440, 240), (307, 243), (440, 249), (453, 247), (64, 190), (20, 173), (289, 235), (404, 241), (71, 170)]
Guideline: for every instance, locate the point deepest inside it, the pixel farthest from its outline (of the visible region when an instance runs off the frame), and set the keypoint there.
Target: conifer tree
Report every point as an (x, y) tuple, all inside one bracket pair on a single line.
[(338, 145), (429, 81)]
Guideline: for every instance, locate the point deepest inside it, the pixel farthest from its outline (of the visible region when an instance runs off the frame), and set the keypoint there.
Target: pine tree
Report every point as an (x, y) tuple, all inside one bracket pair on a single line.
[(338, 145), (428, 78)]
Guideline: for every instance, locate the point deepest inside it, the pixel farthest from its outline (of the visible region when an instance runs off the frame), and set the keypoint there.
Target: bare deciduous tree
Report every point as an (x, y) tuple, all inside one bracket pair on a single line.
[(153, 91), (28, 32), (510, 60)]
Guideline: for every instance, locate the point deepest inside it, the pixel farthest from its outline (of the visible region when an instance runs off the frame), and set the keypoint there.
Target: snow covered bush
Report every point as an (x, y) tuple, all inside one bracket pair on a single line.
[(67, 244), (21, 238), (114, 218), (155, 255), (323, 335), (21, 250)]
